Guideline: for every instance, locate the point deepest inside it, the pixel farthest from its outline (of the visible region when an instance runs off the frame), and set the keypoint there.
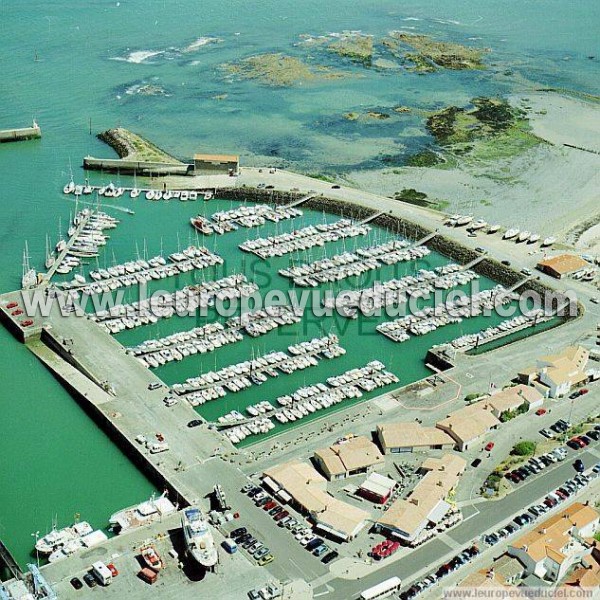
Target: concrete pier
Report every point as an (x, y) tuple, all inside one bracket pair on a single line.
[(24, 133), (137, 167)]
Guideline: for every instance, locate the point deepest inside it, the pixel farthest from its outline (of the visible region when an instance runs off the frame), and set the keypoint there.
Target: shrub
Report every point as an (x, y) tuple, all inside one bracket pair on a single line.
[(526, 448)]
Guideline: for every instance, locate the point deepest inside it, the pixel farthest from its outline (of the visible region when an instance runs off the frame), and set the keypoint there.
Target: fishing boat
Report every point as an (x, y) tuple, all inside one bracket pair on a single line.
[(198, 537), (509, 234), (548, 241), (523, 236), (141, 514), (151, 557)]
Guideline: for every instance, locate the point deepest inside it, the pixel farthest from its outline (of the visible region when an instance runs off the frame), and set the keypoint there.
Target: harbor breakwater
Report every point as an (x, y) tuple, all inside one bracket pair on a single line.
[(82, 386)]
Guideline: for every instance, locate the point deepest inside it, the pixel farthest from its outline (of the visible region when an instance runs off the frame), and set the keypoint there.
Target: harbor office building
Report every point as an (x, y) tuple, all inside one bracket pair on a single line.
[(307, 490), (407, 519), (217, 164), (349, 456), (395, 438)]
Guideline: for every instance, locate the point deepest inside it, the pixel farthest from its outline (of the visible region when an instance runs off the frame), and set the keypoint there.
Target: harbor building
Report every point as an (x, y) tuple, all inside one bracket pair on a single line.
[(216, 164), (562, 265), (307, 489), (514, 398), (556, 375), (400, 437), (349, 456), (428, 503), (555, 545), (467, 425)]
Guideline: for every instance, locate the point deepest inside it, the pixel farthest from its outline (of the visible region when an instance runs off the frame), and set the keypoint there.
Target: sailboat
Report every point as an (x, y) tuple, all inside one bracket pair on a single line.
[(29, 278), (50, 258)]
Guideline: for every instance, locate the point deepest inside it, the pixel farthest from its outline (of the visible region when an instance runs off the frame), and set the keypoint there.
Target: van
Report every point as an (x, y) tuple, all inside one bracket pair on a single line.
[(102, 573), (229, 545), (148, 575)]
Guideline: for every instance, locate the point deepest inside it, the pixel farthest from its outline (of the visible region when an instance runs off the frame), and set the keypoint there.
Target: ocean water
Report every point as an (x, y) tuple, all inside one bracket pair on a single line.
[(78, 67)]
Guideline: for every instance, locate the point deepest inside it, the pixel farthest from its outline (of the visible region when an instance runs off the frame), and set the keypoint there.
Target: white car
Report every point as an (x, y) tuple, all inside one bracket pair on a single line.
[(547, 434), (170, 401)]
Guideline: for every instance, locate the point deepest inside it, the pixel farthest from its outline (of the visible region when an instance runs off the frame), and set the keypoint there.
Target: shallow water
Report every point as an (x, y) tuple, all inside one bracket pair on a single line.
[(53, 459)]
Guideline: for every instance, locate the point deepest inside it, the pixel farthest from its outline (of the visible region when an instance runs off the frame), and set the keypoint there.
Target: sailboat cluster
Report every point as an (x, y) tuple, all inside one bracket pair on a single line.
[(113, 191), (303, 239), (240, 376), (184, 301), (86, 235), (310, 399), (396, 291), (141, 271), (352, 264), (467, 342), (244, 216), (433, 317)]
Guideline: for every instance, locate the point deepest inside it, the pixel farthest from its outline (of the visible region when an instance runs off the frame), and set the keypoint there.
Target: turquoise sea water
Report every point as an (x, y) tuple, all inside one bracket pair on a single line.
[(64, 63)]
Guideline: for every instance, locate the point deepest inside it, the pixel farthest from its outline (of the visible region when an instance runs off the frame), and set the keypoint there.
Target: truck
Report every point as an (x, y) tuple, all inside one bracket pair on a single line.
[(102, 573)]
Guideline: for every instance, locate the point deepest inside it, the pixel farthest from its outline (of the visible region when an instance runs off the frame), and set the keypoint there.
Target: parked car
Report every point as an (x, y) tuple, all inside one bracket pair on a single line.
[(265, 560), (540, 411), (329, 557), (76, 583), (476, 463), (547, 434), (579, 466), (90, 580), (489, 446), (320, 550), (194, 423)]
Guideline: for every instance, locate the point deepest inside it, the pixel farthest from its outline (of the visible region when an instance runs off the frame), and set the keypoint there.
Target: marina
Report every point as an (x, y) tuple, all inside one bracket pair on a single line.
[(303, 239), (431, 318), (141, 271), (397, 291), (184, 301), (310, 399), (234, 378), (349, 264)]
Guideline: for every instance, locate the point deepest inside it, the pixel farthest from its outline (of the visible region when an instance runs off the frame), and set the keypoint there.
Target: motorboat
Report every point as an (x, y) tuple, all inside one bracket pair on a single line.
[(199, 540), (548, 241), (509, 234), (141, 514), (57, 538), (533, 238), (523, 236), (493, 228), (151, 557)]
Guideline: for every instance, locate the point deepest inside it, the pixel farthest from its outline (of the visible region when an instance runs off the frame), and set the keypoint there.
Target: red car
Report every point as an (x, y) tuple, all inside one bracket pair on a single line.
[(489, 446), (269, 505), (540, 411), (112, 569), (583, 391), (281, 515)]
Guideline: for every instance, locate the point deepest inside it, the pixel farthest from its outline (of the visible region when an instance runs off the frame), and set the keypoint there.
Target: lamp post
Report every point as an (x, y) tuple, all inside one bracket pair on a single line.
[(36, 535)]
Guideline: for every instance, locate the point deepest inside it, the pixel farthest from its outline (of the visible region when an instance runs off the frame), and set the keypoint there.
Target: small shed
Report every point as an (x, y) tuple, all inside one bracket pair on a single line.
[(216, 164)]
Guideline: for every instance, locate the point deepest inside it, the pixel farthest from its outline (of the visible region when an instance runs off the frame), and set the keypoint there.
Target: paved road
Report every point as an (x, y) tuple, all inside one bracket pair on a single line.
[(490, 516)]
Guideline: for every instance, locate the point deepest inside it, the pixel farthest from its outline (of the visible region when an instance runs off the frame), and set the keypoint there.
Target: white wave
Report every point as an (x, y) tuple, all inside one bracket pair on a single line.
[(138, 56), (447, 21), (199, 43), (410, 19)]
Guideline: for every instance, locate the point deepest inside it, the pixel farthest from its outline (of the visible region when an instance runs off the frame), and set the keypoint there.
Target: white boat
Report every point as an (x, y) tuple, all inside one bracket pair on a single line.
[(523, 236), (479, 224), (509, 234), (533, 238), (29, 278), (493, 229), (57, 538), (69, 188), (141, 514), (198, 537), (134, 193), (548, 241), (465, 220)]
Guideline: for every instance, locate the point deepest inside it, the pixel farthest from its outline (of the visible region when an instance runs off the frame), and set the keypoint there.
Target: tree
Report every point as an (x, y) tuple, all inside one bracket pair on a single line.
[(526, 448)]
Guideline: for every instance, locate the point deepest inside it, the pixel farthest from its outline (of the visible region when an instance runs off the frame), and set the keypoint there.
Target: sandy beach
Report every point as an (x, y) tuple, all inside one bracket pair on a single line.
[(547, 189)]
